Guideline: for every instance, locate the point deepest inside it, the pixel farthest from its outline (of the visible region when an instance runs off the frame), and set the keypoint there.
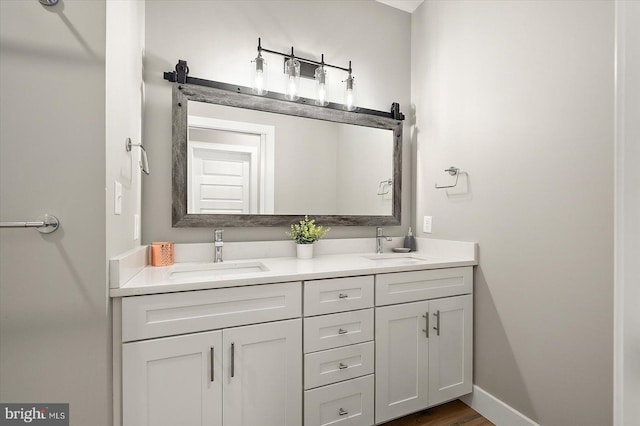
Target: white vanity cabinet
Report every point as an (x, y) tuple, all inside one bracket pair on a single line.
[(339, 351), (233, 376), (330, 350), (424, 347)]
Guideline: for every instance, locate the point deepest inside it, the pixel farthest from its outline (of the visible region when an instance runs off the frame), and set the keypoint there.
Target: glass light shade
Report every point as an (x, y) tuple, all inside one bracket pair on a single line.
[(350, 94), (322, 94), (259, 76), (292, 79)]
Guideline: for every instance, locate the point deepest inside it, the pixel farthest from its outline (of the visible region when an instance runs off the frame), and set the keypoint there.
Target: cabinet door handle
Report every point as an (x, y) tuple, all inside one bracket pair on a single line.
[(426, 330), (343, 412), (342, 331), (437, 327), (343, 296), (342, 366), (212, 362), (233, 359)]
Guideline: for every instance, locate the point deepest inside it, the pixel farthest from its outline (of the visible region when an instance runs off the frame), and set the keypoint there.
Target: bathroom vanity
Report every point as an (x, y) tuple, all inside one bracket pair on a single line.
[(350, 339)]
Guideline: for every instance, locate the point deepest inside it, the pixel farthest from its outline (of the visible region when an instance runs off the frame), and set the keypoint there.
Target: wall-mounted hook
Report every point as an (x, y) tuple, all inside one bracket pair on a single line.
[(453, 171), (49, 2), (144, 164)]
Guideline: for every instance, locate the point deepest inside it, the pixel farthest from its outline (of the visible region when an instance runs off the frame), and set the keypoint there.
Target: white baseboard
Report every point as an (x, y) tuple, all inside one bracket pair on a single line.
[(495, 410)]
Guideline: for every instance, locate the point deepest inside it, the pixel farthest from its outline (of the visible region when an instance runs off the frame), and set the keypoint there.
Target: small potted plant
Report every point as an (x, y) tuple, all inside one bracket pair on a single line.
[(305, 233)]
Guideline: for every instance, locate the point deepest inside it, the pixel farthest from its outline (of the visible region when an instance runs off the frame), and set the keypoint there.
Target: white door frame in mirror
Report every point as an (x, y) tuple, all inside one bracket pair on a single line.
[(263, 169)]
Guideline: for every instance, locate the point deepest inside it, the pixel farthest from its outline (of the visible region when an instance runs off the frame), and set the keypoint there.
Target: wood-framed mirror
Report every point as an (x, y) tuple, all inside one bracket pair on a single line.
[(246, 160)]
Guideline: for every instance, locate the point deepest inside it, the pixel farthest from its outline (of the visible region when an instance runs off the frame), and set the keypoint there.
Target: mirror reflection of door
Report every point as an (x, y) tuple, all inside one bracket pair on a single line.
[(230, 167), (224, 178)]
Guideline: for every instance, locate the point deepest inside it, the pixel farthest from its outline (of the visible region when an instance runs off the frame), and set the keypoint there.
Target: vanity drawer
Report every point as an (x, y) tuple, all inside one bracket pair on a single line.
[(335, 330), (339, 364), (338, 295), (400, 287), (347, 403), (156, 315)]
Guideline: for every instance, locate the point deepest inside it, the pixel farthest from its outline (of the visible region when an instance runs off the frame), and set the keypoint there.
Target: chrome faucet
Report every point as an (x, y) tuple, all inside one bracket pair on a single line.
[(217, 244), (379, 238)]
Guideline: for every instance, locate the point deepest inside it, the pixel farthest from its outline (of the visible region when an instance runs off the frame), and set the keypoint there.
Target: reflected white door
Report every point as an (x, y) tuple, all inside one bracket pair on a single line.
[(230, 167), (224, 178)]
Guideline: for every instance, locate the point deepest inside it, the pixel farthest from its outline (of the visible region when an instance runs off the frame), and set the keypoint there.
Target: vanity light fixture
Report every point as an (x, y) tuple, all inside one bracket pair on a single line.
[(296, 67), (180, 75)]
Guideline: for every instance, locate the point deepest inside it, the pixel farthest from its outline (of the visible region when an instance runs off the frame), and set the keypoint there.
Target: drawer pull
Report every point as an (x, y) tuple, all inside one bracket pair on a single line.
[(343, 412), (437, 327), (233, 359), (342, 331), (342, 366), (426, 330), (343, 296), (212, 373)]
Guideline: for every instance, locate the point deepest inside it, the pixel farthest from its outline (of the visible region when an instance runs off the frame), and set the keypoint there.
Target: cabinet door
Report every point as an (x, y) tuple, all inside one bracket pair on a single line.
[(263, 374), (450, 348), (402, 350), (173, 381)]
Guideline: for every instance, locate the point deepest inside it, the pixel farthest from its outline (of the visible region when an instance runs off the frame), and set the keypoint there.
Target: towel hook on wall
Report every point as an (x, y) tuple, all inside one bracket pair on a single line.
[(49, 2), (144, 164)]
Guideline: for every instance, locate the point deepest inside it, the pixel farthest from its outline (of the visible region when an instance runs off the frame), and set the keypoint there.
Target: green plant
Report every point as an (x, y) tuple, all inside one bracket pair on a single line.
[(306, 231)]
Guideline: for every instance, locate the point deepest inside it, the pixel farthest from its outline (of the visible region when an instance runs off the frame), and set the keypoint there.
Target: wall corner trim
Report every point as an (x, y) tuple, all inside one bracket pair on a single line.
[(495, 410)]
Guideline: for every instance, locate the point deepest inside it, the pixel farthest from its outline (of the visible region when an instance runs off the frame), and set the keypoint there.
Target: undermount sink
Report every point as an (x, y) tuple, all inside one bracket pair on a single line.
[(214, 270), (396, 259)]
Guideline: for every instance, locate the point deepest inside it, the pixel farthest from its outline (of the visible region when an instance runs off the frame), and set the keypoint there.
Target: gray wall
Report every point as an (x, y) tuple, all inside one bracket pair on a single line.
[(219, 39), (54, 319), (520, 95), (124, 92), (627, 345)]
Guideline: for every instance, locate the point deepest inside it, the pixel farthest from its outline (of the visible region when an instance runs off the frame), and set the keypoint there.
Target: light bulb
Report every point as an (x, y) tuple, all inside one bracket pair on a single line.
[(260, 76), (292, 75), (350, 94), (321, 86)]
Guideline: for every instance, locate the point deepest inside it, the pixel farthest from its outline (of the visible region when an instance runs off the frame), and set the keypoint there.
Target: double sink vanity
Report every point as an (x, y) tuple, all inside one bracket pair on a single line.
[(349, 337)]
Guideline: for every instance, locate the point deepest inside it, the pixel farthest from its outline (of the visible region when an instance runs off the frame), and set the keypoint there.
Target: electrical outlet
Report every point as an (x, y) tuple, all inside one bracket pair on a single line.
[(426, 224)]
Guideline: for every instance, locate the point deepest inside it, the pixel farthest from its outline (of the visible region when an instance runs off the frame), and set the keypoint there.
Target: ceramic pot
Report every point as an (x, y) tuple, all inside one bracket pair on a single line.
[(305, 251)]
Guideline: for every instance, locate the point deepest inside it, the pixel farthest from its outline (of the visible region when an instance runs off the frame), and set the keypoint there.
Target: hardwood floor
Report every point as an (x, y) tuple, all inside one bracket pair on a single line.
[(454, 413)]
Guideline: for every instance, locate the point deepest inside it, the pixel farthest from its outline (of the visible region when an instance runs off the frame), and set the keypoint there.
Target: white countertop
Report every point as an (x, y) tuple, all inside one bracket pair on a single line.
[(153, 280)]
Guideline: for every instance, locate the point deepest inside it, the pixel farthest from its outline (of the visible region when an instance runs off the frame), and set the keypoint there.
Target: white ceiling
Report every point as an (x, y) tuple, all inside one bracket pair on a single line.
[(406, 5)]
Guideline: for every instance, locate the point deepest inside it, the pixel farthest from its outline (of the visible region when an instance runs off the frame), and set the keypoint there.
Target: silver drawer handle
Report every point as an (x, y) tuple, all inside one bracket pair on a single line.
[(342, 366), (343, 296), (343, 412), (426, 330), (213, 376), (233, 359), (342, 331)]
